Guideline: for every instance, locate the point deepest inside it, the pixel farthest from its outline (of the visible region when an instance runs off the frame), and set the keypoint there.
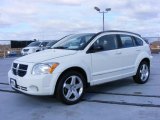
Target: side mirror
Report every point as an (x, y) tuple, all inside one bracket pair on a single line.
[(95, 48)]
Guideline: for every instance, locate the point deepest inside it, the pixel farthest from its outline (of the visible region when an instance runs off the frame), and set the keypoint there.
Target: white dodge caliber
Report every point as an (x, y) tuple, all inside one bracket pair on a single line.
[(80, 61)]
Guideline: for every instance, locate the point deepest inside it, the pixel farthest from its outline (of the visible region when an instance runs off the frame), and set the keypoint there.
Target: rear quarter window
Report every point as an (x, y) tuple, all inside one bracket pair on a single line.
[(138, 41)]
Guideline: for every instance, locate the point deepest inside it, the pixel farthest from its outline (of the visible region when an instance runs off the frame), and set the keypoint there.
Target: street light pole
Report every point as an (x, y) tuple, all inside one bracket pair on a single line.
[(103, 12), (103, 21)]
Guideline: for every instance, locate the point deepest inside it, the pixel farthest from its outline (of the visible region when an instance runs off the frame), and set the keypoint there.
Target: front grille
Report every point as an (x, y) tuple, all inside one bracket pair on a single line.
[(15, 65), (25, 50), (19, 69)]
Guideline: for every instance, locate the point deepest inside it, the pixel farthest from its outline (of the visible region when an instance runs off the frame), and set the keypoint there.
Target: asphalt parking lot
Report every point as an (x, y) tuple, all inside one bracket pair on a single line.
[(119, 100)]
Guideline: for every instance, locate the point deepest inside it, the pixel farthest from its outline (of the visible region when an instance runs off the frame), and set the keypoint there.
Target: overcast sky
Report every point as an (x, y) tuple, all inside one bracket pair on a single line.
[(52, 19)]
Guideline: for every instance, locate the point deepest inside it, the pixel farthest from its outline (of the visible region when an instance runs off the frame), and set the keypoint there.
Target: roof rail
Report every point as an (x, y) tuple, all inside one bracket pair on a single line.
[(120, 31)]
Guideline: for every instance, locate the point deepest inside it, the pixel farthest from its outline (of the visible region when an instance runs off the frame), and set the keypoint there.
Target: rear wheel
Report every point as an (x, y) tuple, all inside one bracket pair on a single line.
[(71, 87), (143, 73)]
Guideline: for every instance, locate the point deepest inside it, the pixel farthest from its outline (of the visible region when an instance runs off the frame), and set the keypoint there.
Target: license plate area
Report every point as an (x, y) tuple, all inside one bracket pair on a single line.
[(13, 83)]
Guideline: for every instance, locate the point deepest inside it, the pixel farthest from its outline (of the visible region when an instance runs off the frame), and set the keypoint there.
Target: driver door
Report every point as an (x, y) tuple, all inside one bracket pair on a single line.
[(105, 59)]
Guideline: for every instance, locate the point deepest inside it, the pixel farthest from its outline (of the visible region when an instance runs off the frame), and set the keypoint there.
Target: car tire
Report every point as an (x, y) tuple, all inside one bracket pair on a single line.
[(143, 73), (71, 87)]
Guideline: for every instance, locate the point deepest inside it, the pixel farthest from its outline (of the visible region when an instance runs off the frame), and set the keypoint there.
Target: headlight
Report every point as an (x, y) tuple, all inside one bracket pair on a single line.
[(44, 68)]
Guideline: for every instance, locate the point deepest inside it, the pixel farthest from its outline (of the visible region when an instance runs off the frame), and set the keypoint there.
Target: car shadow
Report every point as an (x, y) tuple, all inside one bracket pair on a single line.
[(51, 100), (112, 85)]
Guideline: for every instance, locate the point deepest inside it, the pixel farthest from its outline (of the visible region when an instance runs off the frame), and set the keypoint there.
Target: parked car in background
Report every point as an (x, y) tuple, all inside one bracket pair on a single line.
[(43, 45), (51, 43), (155, 47), (80, 61), (31, 48), (34, 47)]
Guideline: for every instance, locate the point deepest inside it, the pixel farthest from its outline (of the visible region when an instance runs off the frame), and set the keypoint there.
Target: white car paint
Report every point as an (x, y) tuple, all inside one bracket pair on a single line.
[(30, 50), (99, 67)]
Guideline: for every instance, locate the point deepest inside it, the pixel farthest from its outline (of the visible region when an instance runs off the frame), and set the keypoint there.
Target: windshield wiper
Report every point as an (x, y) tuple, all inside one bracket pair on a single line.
[(60, 47)]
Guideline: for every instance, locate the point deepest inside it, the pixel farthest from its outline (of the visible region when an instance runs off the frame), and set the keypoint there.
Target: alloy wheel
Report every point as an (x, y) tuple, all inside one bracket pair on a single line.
[(73, 88)]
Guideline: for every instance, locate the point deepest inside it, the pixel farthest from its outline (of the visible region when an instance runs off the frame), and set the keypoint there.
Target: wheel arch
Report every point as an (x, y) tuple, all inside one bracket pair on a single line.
[(75, 68), (143, 56), (137, 77), (146, 60)]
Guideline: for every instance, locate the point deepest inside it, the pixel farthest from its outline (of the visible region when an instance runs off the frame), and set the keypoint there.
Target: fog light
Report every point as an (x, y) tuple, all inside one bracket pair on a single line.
[(33, 88)]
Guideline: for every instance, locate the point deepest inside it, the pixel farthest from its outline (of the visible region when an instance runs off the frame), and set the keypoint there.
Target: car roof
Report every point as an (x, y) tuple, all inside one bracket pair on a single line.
[(120, 31), (45, 41)]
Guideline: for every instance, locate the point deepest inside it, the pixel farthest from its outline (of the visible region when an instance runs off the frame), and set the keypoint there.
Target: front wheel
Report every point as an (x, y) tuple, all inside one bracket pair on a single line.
[(143, 73), (71, 87)]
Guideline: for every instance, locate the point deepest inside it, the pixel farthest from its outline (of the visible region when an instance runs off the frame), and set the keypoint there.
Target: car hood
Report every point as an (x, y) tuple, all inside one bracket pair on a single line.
[(45, 55)]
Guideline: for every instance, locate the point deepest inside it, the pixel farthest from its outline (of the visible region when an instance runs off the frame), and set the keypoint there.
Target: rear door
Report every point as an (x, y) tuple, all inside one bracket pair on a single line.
[(138, 44), (129, 53)]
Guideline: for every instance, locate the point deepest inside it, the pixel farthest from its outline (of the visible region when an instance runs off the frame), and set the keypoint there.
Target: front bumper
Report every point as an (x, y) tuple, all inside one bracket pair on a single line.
[(34, 84)]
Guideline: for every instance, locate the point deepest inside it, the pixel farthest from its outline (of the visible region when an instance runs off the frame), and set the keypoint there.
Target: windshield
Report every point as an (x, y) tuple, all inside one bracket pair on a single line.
[(34, 44), (74, 42)]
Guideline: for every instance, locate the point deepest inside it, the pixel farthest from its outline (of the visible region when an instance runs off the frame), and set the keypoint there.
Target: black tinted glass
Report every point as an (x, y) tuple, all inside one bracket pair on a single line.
[(138, 41), (127, 41), (107, 42)]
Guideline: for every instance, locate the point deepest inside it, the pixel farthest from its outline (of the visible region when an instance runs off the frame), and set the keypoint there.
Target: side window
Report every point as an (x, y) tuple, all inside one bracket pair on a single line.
[(107, 42), (138, 41), (127, 41)]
